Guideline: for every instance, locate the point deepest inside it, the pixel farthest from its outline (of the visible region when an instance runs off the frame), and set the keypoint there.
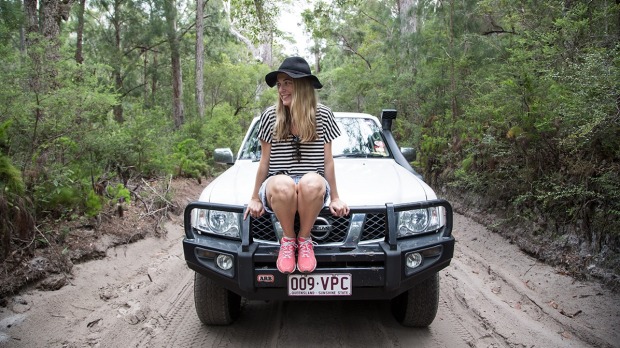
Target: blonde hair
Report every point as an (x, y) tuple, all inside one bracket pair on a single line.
[(302, 112)]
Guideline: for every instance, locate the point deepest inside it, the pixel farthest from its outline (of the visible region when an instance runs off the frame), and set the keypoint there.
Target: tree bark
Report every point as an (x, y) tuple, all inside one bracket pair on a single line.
[(266, 34), (32, 38), (154, 78), (51, 28), (248, 43), (170, 13), (408, 16), (454, 103), (79, 58), (43, 22), (32, 19), (118, 79), (200, 48)]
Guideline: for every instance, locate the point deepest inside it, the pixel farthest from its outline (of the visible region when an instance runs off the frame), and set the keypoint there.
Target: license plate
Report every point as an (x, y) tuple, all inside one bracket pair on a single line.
[(319, 284)]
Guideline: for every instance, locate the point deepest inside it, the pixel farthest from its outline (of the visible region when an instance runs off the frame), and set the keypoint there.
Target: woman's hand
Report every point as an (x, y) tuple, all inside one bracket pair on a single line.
[(255, 209), (338, 207)]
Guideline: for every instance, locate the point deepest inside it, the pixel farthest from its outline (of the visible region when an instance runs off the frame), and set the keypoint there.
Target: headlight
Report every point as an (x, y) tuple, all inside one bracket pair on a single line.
[(418, 221), (223, 223)]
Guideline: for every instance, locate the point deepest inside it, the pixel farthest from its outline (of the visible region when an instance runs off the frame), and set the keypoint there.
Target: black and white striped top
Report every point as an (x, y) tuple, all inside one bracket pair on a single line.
[(283, 157)]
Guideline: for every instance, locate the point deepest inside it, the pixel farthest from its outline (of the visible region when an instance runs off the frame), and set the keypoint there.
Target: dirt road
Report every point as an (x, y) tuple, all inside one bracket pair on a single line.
[(141, 295)]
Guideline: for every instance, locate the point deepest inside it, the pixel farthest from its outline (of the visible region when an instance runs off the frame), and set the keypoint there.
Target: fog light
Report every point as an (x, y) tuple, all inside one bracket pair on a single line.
[(224, 262), (413, 260)]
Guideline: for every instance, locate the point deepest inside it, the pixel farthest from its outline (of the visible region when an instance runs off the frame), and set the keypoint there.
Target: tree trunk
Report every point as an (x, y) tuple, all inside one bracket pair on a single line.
[(32, 20), (177, 89), (200, 48), (408, 16), (453, 99), (266, 47), (80, 32), (618, 40), (145, 76), (32, 32), (317, 62), (154, 79), (118, 78), (52, 13), (51, 29), (49, 14), (170, 12), (266, 34), (248, 43)]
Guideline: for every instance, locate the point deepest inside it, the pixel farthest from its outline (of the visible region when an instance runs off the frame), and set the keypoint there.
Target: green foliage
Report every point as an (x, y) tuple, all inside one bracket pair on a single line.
[(233, 83), (11, 19), (93, 204), (59, 194), (119, 193), (15, 209), (222, 130), (254, 16), (198, 140), (142, 144), (514, 101), (10, 177), (191, 159)]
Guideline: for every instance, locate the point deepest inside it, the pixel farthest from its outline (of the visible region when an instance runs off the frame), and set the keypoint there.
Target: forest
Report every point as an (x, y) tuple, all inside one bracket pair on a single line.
[(513, 106)]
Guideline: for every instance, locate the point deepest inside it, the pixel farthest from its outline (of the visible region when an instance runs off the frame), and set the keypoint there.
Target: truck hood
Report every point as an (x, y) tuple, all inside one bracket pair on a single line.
[(361, 182)]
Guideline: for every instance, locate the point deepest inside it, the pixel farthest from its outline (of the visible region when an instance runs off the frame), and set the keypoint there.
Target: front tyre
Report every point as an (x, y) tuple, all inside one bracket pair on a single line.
[(214, 304), (417, 307)]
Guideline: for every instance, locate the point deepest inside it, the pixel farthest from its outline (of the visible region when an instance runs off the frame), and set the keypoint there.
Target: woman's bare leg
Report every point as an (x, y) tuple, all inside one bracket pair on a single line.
[(310, 198), (282, 197)]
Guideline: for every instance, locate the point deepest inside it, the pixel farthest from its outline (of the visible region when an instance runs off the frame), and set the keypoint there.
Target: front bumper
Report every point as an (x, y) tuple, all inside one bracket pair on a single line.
[(378, 269)]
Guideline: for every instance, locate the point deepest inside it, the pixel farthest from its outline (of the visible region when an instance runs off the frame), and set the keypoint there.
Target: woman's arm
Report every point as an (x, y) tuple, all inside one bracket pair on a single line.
[(255, 206), (336, 206)]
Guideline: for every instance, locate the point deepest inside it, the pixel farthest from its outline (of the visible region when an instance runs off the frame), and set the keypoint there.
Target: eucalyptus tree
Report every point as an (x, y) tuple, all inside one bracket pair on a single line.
[(79, 57), (357, 46), (44, 18), (120, 33), (253, 23), (170, 12), (200, 48)]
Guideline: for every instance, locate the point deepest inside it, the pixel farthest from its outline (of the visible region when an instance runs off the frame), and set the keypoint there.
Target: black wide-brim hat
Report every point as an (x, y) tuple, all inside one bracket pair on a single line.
[(295, 67)]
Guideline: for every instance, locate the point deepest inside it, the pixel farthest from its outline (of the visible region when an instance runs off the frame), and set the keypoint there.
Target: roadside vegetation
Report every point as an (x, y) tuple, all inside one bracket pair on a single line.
[(513, 106)]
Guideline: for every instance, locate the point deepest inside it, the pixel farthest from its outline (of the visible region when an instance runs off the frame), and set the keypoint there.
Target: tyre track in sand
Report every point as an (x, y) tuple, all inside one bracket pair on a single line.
[(519, 301), (141, 295)]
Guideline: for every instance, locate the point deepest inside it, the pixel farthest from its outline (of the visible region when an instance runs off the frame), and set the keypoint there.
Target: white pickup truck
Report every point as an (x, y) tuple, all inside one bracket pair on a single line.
[(391, 246)]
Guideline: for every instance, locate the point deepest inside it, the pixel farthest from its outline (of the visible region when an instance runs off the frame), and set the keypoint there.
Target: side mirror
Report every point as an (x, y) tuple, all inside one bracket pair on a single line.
[(409, 153), (223, 155)]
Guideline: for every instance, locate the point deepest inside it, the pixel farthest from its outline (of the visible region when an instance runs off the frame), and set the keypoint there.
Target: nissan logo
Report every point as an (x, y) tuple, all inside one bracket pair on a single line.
[(321, 229)]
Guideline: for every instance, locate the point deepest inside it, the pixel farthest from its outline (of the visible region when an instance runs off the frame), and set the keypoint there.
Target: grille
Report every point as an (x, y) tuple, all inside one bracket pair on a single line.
[(262, 228), (374, 228), (340, 226)]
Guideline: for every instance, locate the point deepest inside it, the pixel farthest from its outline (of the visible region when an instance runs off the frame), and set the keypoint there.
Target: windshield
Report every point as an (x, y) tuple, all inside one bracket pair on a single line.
[(360, 137)]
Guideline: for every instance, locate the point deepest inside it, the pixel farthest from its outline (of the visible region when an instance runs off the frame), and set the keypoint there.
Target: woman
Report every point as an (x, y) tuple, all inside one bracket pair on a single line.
[(296, 169)]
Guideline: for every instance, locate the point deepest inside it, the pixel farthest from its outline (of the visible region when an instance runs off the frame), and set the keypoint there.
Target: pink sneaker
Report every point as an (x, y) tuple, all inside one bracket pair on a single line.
[(286, 256), (306, 262)]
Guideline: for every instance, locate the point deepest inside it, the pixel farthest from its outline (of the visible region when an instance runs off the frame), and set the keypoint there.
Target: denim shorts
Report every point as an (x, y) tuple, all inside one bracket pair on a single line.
[(263, 194)]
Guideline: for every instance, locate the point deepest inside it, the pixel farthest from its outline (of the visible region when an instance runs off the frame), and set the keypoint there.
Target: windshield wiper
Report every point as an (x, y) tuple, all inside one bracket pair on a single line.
[(360, 155)]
